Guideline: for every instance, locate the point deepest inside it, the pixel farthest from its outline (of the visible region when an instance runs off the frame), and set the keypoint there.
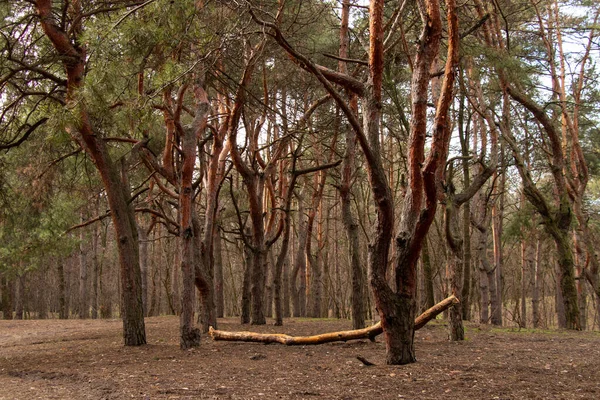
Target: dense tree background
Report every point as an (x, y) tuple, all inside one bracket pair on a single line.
[(231, 133)]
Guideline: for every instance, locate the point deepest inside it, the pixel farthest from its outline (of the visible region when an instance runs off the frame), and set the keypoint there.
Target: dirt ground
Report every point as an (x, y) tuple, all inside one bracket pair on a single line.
[(53, 359)]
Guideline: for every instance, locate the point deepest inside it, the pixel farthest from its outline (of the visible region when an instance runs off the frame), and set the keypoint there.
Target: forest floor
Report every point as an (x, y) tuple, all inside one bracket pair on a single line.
[(73, 359)]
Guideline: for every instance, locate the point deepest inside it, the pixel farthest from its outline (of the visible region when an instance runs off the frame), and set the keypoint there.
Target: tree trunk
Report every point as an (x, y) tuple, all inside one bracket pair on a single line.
[(143, 240), (527, 267), (245, 300), (117, 192), (95, 271), (566, 278), (62, 301), (219, 295), (580, 283), (204, 279), (559, 301), (484, 301), (188, 231), (496, 297), (467, 265), (537, 281), (299, 270), (457, 331), (175, 280), (351, 226), (257, 289), (7, 298), (357, 295), (83, 275), (286, 288), (42, 296), (20, 297)]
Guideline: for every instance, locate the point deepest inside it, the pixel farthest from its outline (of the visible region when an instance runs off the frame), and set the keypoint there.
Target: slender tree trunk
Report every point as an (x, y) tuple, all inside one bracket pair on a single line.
[(467, 265), (175, 280), (269, 277), (351, 226), (277, 286), (143, 240), (286, 288), (245, 300), (62, 301), (484, 302), (299, 270), (580, 283), (527, 267), (465, 255), (219, 294), (20, 297), (83, 275), (95, 271), (497, 215), (7, 298), (537, 281), (42, 290)]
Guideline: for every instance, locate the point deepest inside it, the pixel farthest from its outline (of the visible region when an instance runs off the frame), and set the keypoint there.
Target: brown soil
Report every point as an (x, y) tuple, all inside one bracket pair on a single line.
[(73, 359)]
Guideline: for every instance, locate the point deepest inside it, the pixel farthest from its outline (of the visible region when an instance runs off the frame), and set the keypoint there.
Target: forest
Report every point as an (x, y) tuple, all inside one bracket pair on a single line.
[(282, 160)]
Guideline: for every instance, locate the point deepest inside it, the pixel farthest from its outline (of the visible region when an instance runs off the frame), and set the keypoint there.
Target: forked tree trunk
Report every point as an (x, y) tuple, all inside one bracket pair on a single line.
[(188, 235), (397, 310)]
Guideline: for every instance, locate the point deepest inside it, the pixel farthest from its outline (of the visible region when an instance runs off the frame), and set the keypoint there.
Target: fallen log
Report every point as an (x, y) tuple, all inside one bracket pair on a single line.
[(343, 336)]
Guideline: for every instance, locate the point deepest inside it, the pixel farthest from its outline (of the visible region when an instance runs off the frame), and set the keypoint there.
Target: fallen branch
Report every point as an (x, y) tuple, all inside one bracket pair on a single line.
[(343, 336)]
